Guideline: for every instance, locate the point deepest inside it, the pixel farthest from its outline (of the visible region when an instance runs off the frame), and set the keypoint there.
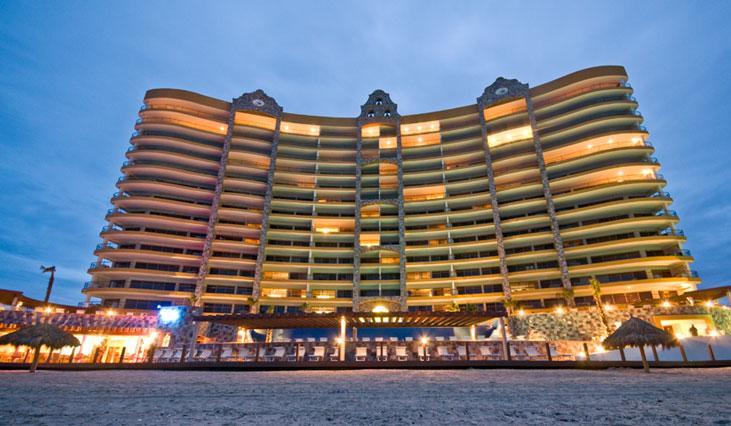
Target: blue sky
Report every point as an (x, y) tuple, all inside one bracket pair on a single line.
[(73, 74)]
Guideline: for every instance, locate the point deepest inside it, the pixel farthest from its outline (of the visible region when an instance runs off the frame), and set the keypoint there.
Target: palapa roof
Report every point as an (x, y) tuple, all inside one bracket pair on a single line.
[(43, 334), (636, 332)]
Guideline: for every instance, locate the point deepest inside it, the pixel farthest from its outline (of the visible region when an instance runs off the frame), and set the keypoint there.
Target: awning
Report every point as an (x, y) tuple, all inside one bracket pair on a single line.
[(354, 319), (714, 293)]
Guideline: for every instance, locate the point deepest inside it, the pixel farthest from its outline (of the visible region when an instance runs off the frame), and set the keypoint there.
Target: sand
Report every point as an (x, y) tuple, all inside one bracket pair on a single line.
[(374, 397)]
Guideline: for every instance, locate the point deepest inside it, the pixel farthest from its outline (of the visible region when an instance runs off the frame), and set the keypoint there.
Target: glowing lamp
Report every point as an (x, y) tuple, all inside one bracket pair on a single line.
[(713, 333), (168, 315), (424, 340), (709, 303), (666, 304), (380, 309), (110, 312), (521, 313), (608, 308), (559, 310)]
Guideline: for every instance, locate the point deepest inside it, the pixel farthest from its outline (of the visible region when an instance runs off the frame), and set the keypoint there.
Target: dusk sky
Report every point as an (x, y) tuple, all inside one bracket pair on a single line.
[(73, 75)]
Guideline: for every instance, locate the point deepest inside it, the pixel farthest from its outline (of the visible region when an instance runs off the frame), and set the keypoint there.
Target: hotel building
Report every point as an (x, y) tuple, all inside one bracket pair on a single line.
[(525, 195)]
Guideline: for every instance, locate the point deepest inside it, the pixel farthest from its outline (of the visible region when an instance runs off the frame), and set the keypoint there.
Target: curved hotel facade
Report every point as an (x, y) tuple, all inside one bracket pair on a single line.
[(524, 196)]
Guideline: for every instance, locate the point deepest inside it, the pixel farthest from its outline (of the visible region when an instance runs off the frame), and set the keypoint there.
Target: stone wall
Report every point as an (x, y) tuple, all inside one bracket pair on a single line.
[(587, 325)]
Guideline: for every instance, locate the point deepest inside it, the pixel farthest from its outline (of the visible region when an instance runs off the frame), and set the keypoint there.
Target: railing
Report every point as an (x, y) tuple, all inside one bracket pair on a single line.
[(102, 264)]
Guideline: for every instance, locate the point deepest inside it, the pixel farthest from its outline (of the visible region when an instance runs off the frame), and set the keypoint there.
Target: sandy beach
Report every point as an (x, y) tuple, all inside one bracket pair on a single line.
[(689, 396)]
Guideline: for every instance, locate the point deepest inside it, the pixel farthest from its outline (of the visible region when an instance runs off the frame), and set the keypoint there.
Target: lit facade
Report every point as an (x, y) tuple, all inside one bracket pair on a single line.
[(524, 196)]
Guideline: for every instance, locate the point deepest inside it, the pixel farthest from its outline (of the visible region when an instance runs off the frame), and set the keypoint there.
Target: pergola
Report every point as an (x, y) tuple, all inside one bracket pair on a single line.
[(353, 319)]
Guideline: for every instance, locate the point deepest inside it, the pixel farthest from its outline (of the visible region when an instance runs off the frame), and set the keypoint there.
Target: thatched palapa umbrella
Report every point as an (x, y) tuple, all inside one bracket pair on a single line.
[(39, 335), (636, 332)]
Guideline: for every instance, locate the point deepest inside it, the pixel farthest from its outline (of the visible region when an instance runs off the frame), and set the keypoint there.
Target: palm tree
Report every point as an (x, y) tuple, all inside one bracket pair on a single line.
[(597, 293), (39, 335), (52, 270)]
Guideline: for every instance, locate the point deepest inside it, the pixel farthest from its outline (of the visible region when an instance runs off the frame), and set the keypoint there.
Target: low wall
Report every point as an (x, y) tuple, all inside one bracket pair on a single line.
[(587, 324)]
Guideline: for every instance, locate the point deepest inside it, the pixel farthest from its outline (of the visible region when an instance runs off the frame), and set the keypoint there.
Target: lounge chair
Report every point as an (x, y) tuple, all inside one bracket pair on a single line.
[(335, 354), (323, 339), (409, 339), (366, 339), (533, 353), (424, 354), (251, 356), (487, 353), (444, 354), (317, 354), (202, 355), (401, 354), (361, 353), (292, 357), (277, 355), (556, 355), (461, 352), (311, 339), (440, 338), (226, 353), (175, 356), (382, 352), (452, 338), (514, 354), (393, 339), (159, 355)]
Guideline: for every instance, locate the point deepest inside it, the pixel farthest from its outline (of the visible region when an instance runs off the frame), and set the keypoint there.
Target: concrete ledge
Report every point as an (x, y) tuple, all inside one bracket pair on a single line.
[(369, 365)]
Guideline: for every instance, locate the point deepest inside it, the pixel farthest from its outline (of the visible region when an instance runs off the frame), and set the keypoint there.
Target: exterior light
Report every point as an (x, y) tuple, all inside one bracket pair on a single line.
[(620, 173), (420, 139), (380, 309), (589, 146), (709, 303), (610, 140), (559, 310), (418, 127), (713, 333), (599, 349), (153, 335), (666, 304), (168, 315), (48, 309), (608, 308), (222, 128), (636, 140), (424, 340), (617, 324), (521, 313), (339, 341), (110, 312)]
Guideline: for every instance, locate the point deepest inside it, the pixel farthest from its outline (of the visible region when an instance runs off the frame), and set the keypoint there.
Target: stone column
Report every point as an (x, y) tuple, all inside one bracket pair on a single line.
[(494, 206), (213, 215), (266, 211), (555, 230), (356, 227), (403, 293)]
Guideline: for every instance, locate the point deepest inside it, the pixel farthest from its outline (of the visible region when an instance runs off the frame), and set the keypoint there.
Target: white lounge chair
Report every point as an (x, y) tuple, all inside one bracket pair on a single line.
[(401, 354), (393, 339), (462, 352), (277, 355), (382, 352), (292, 357), (361, 353), (514, 354), (452, 338), (556, 355), (335, 354), (409, 339), (251, 355), (323, 339), (318, 354), (311, 339), (226, 353), (203, 355), (175, 356), (533, 353), (487, 353), (366, 339), (440, 338), (443, 353), (159, 355), (379, 339)]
